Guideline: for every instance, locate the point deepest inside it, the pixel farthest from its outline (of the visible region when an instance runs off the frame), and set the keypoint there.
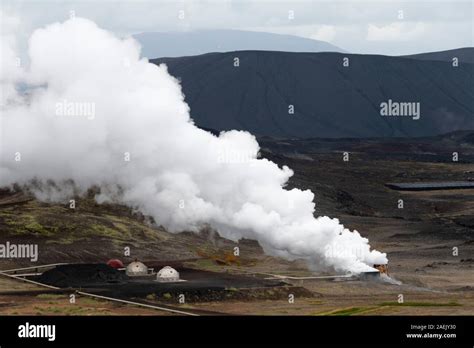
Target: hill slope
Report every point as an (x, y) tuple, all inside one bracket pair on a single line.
[(178, 44), (465, 55), (329, 100)]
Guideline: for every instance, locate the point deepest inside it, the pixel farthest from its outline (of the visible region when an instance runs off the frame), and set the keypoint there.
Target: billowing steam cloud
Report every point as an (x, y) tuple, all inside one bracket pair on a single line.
[(97, 114)]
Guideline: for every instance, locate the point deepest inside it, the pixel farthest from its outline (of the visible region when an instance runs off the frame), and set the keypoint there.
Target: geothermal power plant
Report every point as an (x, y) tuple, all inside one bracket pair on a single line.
[(137, 282), (296, 160)]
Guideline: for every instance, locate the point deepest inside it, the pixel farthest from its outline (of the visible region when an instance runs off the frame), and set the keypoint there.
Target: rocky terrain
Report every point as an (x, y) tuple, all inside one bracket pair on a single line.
[(420, 238)]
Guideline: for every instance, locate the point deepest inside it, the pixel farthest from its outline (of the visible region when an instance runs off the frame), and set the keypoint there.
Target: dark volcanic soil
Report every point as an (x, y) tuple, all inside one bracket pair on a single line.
[(81, 275), (196, 285)]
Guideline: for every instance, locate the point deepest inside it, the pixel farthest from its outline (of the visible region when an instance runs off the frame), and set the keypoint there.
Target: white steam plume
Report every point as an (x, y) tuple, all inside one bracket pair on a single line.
[(95, 103)]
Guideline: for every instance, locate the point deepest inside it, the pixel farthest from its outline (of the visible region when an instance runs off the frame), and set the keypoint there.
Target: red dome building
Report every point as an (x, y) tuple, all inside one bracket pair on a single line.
[(115, 263)]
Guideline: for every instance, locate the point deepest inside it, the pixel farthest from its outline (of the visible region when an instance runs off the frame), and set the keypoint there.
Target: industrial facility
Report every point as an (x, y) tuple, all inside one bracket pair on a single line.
[(137, 282)]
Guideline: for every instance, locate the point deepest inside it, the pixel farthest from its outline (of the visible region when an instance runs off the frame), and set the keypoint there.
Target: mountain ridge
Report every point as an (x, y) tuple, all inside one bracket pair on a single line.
[(180, 44), (329, 100)]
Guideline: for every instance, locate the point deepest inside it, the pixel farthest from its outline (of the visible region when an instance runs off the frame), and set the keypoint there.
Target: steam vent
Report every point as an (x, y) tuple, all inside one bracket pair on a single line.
[(136, 268), (382, 268), (167, 274)]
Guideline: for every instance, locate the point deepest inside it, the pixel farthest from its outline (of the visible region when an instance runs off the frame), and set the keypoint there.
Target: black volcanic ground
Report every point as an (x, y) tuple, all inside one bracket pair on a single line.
[(330, 100)]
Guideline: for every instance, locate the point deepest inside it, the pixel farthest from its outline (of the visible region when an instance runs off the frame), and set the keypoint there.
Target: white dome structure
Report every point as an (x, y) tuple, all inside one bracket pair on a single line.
[(136, 269), (167, 274)]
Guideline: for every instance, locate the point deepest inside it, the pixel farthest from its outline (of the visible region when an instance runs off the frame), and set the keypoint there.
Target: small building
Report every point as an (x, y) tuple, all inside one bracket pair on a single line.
[(115, 263), (429, 186), (136, 268), (167, 274)]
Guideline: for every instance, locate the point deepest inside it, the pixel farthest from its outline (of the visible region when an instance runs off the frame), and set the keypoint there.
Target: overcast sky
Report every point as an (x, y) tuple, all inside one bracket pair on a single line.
[(384, 27)]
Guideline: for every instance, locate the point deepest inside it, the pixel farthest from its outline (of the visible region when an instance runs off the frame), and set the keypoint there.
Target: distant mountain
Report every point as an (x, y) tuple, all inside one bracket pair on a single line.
[(329, 100), (179, 44), (464, 55)]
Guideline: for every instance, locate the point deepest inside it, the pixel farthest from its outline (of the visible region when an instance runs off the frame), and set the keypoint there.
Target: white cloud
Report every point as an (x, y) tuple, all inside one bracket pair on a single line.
[(447, 23), (396, 31), (324, 33), (316, 32)]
